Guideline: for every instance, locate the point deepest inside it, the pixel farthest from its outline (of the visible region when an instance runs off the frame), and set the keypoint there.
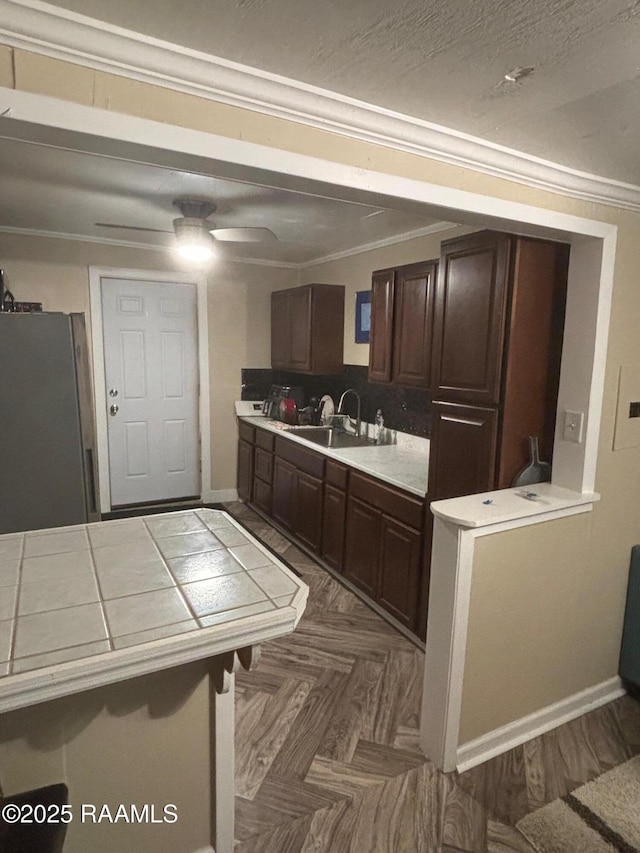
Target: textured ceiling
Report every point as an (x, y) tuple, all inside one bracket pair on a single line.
[(443, 61)]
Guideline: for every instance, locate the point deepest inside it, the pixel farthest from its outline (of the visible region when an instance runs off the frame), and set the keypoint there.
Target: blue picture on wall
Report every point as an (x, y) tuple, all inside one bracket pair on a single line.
[(363, 316)]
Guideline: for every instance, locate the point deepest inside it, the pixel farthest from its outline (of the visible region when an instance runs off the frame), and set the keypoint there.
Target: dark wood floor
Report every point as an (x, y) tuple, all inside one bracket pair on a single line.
[(327, 742)]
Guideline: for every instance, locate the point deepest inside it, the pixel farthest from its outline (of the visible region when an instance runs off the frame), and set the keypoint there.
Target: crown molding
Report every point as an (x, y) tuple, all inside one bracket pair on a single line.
[(51, 31), (261, 262), (129, 244), (80, 238), (436, 228)]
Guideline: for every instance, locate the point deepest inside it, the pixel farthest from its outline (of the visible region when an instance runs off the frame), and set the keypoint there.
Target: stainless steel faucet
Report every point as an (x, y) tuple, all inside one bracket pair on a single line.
[(340, 412)]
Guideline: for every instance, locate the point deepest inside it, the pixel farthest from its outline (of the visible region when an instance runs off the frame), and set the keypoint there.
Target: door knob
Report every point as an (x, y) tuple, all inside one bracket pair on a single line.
[(113, 392), (113, 409)]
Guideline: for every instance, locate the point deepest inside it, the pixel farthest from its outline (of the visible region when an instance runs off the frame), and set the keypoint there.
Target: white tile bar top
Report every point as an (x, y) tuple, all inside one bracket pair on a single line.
[(405, 464), (88, 605), (508, 505)]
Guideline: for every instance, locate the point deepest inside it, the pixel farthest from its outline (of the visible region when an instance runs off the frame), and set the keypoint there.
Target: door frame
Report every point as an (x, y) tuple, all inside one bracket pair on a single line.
[(96, 274)]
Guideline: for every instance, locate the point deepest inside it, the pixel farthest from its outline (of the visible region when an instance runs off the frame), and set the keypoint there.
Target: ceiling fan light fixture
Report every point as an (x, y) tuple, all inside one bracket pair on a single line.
[(193, 241), (195, 252)]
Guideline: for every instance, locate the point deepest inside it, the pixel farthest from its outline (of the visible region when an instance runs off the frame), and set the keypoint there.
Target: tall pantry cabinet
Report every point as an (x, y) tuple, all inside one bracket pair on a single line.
[(497, 336)]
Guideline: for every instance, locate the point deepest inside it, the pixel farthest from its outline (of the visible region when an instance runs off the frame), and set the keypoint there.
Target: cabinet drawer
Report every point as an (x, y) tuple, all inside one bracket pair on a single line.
[(304, 459), (265, 440), (263, 465), (392, 502), (336, 474), (246, 432)]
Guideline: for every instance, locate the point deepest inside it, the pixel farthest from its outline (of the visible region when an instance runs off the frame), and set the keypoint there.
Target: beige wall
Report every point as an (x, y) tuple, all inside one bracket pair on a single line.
[(56, 273), (240, 336), (532, 589), (142, 741), (601, 549)]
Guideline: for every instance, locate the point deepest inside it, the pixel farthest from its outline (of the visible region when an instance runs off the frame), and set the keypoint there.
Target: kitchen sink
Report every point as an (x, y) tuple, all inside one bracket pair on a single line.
[(328, 437)]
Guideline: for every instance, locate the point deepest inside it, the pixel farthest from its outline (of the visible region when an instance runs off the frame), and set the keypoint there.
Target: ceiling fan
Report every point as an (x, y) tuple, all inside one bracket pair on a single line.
[(194, 232)]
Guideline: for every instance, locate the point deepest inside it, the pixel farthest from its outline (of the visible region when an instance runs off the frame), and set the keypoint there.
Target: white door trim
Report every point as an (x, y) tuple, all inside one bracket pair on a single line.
[(99, 386)]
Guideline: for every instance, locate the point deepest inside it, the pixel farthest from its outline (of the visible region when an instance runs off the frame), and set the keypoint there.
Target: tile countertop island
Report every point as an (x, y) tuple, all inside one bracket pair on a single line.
[(405, 464), (92, 605)]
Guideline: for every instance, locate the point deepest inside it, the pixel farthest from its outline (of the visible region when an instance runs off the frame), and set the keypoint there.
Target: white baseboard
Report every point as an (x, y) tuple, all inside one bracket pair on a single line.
[(215, 496), (507, 737), (204, 850)]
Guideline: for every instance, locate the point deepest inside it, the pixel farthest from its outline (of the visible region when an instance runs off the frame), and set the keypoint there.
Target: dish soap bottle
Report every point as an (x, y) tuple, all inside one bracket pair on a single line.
[(379, 430)]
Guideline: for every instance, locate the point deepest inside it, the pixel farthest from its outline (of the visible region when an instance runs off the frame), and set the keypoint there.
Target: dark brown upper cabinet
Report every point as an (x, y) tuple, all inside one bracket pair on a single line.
[(307, 329), (401, 324), (381, 338), (469, 318)]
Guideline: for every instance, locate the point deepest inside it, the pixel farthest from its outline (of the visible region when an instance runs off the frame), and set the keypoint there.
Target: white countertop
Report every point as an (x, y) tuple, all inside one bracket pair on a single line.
[(92, 604), (405, 464), (507, 505)]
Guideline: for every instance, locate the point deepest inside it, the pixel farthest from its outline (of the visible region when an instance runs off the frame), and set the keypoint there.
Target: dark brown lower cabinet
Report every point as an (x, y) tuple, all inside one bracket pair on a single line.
[(334, 518), (383, 553), (362, 546), (263, 471), (369, 531), (245, 471), (297, 502), (284, 487), (399, 577), (262, 495), (308, 512)]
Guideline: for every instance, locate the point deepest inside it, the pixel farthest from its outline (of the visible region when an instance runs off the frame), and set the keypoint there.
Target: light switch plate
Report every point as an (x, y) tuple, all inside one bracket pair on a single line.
[(572, 427)]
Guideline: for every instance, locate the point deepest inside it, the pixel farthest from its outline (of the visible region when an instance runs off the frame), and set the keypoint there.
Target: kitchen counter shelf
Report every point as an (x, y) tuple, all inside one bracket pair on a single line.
[(404, 465)]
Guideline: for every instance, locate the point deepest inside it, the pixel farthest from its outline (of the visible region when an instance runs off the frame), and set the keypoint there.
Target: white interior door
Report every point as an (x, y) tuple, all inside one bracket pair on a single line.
[(151, 372)]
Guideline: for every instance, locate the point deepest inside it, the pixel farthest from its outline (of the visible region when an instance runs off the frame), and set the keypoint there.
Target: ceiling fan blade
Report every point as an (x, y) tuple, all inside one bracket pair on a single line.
[(131, 227), (243, 235)]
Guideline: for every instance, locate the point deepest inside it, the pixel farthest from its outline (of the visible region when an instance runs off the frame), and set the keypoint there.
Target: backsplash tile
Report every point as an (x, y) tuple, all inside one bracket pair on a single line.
[(404, 409)]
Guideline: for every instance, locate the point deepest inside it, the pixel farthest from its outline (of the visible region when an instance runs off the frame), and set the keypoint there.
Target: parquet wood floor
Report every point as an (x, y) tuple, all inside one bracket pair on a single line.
[(327, 742)]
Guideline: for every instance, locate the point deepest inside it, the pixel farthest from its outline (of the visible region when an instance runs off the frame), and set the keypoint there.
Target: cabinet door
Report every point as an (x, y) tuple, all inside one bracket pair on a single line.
[(399, 575), (263, 495), (463, 450), (308, 510), (284, 484), (263, 465), (245, 471), (280, 326), (334, 517), (300, 328), (362, 546), (381, 338), (413, 324), (469, 318)]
